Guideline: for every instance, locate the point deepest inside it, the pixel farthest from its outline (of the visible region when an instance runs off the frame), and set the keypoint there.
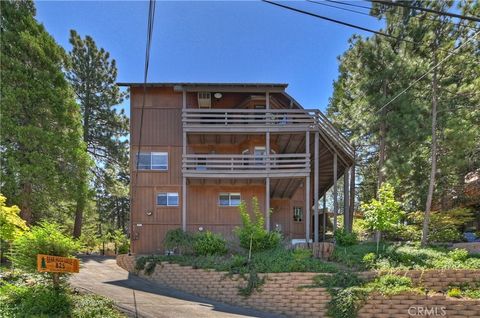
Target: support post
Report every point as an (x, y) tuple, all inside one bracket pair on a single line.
[(324, 217), (346, 199), (335, 192), (268, 158), (308, 205), (267, 203), (315, 187), (184, 180), (352, 190)]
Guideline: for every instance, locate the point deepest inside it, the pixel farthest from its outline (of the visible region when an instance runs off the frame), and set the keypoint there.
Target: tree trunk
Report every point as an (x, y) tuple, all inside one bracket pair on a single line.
[(431, 185), (25, 207), (381, 154), (82, 191)]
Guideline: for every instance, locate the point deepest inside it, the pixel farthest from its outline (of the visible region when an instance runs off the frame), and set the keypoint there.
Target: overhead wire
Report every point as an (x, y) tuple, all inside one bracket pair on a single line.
[(150, 24)]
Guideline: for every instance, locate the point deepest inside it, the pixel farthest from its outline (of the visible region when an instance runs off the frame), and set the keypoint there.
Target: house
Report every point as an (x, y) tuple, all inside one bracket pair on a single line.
[(204, 147)]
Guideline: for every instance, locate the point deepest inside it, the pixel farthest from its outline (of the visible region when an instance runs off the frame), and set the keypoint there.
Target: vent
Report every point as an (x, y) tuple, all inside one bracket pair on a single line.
[(204, 100)]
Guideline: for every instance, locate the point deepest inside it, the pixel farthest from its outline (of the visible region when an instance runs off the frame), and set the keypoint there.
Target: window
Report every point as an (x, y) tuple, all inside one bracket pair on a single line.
[(167, 199), (259, 153), (153, 161), (229, 199), (297, 214)]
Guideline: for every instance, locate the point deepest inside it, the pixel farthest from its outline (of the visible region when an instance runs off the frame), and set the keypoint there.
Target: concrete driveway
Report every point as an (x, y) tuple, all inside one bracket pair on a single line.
[(141, 298)]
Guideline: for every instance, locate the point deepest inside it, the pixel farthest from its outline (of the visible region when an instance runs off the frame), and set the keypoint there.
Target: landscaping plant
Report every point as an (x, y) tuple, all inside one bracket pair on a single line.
[(382, 214), (45, 238), (208, 243), (252, 234)]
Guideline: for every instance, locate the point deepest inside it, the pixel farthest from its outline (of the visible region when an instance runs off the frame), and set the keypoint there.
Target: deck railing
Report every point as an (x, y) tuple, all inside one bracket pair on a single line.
[(257, 120), (217, 164)]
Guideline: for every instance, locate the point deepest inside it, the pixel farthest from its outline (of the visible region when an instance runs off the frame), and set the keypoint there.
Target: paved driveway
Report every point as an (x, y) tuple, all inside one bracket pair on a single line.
[(142, 298)]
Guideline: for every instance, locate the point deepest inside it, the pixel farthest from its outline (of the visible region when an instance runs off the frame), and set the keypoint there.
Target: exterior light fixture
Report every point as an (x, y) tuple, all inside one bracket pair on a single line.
[(217, 95)]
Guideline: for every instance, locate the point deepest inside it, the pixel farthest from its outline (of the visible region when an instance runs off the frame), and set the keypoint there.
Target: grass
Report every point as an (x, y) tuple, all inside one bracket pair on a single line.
[(403, 256)]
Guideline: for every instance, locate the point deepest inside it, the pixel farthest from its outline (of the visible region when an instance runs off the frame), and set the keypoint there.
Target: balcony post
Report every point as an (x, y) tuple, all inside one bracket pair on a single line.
[(335, 192), (324, 217), (315, 186), (346, 199), (267, 203), (267, 153), (308, 206), (184, 180)]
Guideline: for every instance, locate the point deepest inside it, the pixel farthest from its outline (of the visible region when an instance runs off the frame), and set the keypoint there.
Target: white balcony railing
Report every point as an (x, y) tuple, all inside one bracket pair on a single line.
[(228, 164)]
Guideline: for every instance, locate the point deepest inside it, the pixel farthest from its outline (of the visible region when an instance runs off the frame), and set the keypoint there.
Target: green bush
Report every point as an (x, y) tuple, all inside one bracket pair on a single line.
[(455, 293), (343, 238), (208, 243), (178, 241), (458, 254), (45, 238), (253, 233), (369, 260), (402, 233), (42, 301)]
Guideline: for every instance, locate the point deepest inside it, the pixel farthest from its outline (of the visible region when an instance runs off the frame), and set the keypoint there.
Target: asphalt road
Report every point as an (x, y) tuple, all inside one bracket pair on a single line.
[(141, 298)]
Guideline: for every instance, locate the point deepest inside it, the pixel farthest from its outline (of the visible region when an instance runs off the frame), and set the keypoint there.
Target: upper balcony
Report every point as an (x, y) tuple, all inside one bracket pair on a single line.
[(248, 120), (262, 120)]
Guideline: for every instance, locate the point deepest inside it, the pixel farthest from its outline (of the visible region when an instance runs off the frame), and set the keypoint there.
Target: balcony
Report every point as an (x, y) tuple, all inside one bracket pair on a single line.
[(262, 120), (247, 120), (245, 166)]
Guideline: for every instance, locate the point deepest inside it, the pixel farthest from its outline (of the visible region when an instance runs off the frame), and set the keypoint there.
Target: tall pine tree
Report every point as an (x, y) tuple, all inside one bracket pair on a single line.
[(93, 74)]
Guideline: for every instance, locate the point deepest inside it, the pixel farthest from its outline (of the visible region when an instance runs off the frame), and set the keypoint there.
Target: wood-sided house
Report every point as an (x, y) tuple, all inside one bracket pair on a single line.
[(206, 146)]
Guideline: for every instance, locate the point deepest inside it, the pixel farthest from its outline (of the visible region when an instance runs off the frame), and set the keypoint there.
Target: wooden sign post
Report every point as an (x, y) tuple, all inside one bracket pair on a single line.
[(57, 264)]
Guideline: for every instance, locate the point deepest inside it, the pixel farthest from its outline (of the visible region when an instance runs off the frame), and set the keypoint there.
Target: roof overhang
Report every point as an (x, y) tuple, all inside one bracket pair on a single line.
[(217, 87)]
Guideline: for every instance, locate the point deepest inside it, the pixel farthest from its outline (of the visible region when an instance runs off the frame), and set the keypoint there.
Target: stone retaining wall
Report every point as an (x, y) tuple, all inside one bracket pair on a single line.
[(283, 294)]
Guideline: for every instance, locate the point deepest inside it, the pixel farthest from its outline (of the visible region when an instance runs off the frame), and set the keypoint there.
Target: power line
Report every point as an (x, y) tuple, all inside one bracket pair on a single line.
[(337, 21), (347, 24), (427, 72), (448, 14), (150, 23), (340, 8), (392, 12)]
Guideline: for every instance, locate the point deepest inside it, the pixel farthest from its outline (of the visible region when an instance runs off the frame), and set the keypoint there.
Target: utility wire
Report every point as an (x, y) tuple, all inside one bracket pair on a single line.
[(393, 12), (338, 21), (448, 14), (150, 23), (347, 24), (427, 72), (340, 8)]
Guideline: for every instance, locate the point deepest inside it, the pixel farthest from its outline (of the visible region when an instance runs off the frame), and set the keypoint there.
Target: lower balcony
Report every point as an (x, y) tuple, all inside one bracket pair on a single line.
[(245, 166)]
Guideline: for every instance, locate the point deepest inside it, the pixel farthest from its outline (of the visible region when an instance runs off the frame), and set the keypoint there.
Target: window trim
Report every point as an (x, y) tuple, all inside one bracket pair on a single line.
[(168, 194), (152, 153), (229, 199)]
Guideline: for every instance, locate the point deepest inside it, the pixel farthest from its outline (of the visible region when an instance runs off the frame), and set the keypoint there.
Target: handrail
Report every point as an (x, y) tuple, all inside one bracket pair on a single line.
[(265, 119)]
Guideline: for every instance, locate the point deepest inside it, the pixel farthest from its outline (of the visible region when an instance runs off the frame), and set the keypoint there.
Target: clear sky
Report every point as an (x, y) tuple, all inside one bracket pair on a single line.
[(216, 41)]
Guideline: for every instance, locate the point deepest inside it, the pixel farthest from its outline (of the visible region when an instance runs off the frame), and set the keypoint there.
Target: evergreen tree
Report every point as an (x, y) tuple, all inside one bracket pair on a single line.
[(93, 75), (42, 155)]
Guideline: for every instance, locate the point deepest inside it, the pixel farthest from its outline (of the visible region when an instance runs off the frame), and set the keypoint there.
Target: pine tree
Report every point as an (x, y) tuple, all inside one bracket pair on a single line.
[(42, 154), (93, 74)]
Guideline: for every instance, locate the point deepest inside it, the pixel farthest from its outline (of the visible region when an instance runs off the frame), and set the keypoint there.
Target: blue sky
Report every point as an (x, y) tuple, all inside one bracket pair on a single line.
[(215, 41)]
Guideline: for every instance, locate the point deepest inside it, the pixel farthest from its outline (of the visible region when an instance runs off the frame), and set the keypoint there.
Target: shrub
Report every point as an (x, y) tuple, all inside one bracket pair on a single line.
[(458, 254), (42, 239), (254, 232), (455, 293), (179, 241), (369, 260), (11, 224), (401, 232), (343, 238), (209, 243), (382, 214), (360, 227)]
